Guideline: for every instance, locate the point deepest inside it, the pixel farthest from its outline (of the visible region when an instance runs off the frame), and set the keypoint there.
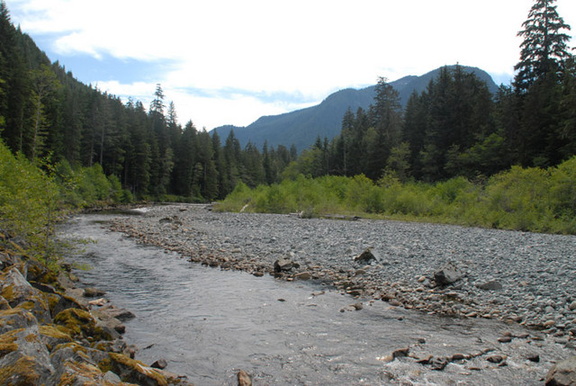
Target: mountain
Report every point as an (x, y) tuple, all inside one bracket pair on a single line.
[(302, 127)]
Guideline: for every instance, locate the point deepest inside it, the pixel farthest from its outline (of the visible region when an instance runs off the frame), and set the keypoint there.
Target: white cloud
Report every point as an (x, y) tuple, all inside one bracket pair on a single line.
[(307, 48)]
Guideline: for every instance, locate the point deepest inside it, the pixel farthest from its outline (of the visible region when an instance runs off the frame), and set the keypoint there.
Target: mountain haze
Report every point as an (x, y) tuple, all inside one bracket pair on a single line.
[(302, 127)]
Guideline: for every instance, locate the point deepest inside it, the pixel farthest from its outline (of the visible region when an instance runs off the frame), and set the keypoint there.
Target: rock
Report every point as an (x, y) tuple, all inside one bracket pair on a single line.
[(358, 306), (16, 318), (18, 292), (80, 324), (133, 371), (121, 314), (243, 378), (458, 357), (303, 276), (25, 359), (91, 292), (284, 265), (496, 358), (402, 352), (447, 275), (491, 285), (572, 306), (439, 364), (533, 358), (505, 339), (367, 257), (562, 373), (159, 364)]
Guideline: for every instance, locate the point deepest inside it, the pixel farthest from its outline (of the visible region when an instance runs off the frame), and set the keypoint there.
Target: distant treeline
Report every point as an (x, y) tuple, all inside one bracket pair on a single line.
[(46, 114), (456, 127)]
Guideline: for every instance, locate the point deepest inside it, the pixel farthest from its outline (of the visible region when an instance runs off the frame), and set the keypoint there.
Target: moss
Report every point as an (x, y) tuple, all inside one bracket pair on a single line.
[(134, 371), (8, 292), (22, 372), (53, 301), (53, 332), (8, 342), (80, 371), (52, 336), (78, 322)]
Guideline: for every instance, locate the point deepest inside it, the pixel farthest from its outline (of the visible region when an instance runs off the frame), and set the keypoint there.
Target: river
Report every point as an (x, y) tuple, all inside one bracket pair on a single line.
[(208, 323)]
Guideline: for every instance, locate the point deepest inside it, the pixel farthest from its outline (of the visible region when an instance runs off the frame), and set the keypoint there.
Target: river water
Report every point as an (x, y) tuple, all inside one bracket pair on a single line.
[(207, 324)]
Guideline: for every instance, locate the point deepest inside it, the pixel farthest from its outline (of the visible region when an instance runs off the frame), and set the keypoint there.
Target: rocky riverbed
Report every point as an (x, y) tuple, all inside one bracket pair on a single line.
[(525, 279)]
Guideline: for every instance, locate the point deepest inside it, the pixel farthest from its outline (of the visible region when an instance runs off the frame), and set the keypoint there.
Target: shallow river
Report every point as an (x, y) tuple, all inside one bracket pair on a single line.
[(207, 324)]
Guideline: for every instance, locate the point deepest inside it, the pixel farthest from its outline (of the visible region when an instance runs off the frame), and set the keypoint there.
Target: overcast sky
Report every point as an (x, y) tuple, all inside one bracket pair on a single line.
[(231, 61)]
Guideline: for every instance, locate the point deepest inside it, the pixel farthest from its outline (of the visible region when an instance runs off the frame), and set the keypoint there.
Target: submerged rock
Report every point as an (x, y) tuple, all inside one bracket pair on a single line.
[(563, 373)]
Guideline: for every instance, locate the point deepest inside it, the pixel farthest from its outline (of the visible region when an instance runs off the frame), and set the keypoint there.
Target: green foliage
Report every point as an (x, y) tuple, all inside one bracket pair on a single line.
[(527, 199), (28, 203)]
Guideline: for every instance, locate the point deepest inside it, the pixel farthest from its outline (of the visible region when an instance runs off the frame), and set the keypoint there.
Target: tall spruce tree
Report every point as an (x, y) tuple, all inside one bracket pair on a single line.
[(543, 57), (544, 48)]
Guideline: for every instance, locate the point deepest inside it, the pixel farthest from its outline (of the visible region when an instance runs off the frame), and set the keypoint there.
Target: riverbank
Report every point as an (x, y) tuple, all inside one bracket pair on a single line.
[(520, 278), (54, 331)]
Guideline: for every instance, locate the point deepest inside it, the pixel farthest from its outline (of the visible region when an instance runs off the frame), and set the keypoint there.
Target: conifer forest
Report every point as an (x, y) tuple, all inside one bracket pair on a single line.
[(456, 128)]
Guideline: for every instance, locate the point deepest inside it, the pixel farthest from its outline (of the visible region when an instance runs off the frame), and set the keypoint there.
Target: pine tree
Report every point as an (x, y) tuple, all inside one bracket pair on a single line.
[(386, 114), (544, 49), (538, 84)]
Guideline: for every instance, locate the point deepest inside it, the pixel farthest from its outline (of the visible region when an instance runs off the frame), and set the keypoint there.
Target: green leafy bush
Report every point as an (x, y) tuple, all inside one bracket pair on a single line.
[(29, 203), (529, 199)]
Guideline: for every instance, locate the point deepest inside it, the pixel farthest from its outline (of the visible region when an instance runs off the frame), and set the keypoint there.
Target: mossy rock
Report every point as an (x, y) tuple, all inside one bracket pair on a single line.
[(58, 302), (15, 318), (38, 306), (81, 373), (4, 305), (26, 360), (52, 336), (23, 371), (8, 342), (134, 371), (18, 292), (81, 324)]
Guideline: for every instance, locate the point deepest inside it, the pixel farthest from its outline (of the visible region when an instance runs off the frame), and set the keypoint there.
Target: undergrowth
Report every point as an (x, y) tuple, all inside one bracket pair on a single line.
[(526, 199)]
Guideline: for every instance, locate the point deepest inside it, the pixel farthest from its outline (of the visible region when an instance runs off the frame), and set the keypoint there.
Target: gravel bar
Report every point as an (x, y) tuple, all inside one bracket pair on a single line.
[(520, 277)]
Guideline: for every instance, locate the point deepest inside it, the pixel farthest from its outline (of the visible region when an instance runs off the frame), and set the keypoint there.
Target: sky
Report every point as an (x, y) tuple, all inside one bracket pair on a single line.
[(231, 62)]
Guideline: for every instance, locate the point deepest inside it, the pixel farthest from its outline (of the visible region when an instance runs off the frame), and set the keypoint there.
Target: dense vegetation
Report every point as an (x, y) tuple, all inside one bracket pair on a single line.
[(530, 199), (456, 152), (45, 113)]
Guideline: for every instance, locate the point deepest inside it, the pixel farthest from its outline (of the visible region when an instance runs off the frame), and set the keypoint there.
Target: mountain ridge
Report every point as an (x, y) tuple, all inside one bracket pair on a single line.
[(302, 127)]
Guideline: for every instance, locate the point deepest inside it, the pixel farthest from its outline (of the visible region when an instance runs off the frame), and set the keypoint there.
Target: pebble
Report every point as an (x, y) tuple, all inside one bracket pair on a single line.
[(410, 253)]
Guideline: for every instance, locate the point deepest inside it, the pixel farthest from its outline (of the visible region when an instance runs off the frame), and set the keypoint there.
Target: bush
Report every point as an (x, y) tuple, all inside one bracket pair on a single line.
[(528, 199), (29, 203)]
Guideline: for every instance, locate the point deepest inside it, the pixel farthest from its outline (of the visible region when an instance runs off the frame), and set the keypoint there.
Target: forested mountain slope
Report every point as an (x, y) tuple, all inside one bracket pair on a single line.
[(302, 127)]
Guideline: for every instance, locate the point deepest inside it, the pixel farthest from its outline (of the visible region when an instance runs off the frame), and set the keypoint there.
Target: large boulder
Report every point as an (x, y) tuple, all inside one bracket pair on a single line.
[(563, 373), (18, 292), (25, 359), (448, 274)]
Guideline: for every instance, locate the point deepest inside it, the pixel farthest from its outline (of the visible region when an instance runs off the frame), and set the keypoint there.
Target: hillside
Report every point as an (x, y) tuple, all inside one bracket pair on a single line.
[(302, 127)]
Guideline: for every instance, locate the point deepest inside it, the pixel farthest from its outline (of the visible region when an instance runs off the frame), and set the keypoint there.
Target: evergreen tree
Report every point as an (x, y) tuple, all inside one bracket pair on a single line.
[(386, 114), (542, 62), (543, 49)]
